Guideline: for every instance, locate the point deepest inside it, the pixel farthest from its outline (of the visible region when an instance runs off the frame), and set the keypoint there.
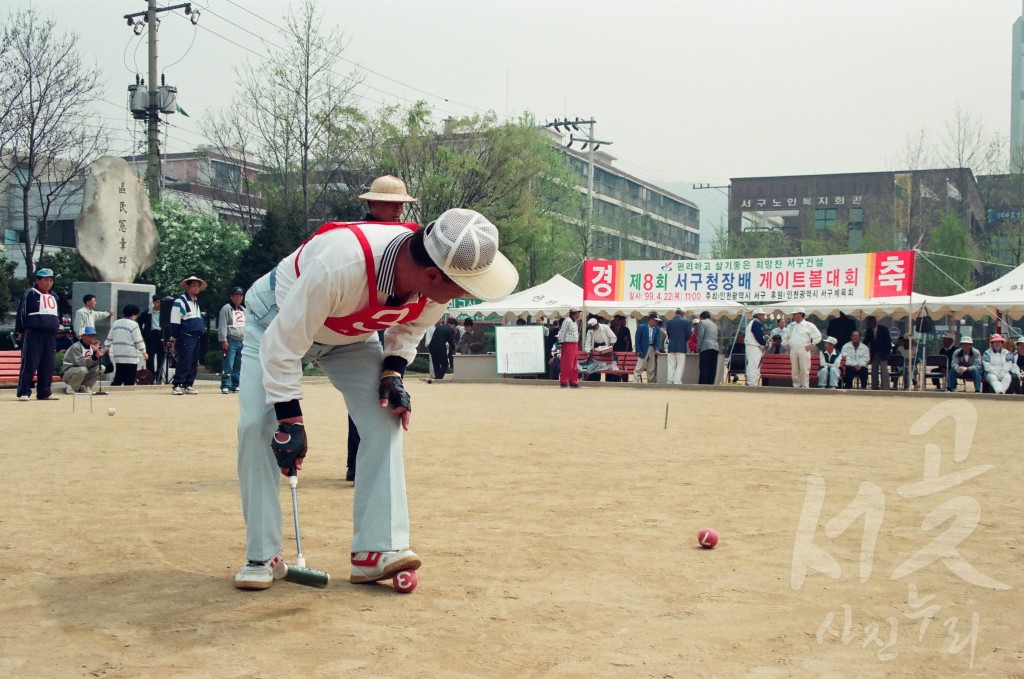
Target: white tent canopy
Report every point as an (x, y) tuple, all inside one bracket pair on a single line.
[(1004, 294), (555, 297), (897, 307)]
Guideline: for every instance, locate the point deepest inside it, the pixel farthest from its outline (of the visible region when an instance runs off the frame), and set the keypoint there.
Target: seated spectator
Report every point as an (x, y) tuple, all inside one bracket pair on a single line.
[(776, 346), (855, 361), (999, 365), (82, 363), (1018, 358), (965, 365), (829, 372)]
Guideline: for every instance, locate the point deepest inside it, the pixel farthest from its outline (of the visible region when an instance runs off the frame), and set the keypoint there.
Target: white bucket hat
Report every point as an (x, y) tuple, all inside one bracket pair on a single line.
[(831, 340), (388, 189), (758, 311), (464, 245), (966, 339)]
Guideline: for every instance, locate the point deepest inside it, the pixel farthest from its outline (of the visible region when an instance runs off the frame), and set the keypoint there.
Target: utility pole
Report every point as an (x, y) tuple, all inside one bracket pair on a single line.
[(153, 108), (590, 144)]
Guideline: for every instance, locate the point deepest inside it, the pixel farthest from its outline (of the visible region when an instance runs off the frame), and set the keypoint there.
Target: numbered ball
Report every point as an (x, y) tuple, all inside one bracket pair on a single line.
[(405, 581), (112, 412), (707, 538)]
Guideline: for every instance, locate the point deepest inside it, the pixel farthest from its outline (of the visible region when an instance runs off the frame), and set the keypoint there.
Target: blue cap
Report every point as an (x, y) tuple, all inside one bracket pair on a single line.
[(44, 273), (237, 291), (88, 330)]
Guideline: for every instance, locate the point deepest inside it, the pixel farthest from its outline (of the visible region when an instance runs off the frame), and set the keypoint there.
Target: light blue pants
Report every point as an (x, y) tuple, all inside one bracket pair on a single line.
[(828, 376), (231, 364), (380, 514)]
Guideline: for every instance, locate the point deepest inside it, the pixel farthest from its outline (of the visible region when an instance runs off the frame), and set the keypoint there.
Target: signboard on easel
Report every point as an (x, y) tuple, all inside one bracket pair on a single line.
[(520, 350)]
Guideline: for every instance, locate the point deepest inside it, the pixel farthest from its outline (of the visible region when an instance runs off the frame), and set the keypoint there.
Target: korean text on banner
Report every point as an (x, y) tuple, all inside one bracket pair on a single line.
[(839, 277)]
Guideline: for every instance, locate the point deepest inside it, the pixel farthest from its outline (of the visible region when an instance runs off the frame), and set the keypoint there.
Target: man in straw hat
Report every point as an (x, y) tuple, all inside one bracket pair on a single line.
[(385, 201), (325, 303), (185, 334)]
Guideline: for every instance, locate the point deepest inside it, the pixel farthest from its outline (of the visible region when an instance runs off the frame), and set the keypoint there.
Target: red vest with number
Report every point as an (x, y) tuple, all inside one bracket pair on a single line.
[(373, 316)]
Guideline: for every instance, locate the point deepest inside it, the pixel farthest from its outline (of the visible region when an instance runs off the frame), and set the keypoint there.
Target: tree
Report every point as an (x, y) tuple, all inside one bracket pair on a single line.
[(280, 234), (47, 90), (296, 104), (506, 171), (7, 300), (195, 244), (939, 275)]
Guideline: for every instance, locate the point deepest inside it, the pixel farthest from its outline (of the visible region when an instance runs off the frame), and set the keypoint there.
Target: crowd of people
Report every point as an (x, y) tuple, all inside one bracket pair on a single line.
[(849, 356), (134, 339)]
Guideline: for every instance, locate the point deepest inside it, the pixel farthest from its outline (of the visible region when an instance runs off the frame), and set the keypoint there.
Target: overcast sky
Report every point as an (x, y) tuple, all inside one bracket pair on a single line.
[(687, 91)]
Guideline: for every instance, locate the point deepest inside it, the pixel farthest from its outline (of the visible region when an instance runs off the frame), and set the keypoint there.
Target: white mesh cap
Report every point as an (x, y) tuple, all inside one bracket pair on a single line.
[(464, 245)]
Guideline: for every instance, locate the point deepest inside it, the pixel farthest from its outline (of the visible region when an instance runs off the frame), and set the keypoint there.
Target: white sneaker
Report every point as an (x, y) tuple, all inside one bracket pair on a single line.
[(374, 566), (177, 391), (69, 390), (225, 390), (255, 575), (23, 398), (190, 390)]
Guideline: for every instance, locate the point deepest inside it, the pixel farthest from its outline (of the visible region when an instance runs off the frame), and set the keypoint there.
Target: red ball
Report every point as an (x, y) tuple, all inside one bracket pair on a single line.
[(405, 581), (707, 538)]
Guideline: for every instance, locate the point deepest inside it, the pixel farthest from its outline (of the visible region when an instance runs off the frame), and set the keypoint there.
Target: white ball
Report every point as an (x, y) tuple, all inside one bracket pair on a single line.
[(111, 411)]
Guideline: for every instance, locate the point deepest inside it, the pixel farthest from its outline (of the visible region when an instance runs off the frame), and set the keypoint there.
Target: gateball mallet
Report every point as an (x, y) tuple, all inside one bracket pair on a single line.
[(298, 573)]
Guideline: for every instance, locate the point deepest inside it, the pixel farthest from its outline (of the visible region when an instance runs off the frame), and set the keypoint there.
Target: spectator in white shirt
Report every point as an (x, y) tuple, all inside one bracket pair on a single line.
[(855, 360), (999, 364)]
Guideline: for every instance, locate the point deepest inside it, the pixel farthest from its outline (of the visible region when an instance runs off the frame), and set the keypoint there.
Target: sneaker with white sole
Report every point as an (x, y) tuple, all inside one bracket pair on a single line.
[(69, 390), (260, 574), (191, 391), (255, 575), (374, 566), (177, 391), (225, 390), (23, 398)]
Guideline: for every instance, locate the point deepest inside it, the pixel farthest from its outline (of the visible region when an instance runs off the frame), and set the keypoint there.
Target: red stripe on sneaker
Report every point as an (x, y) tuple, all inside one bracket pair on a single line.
[(370, 561)]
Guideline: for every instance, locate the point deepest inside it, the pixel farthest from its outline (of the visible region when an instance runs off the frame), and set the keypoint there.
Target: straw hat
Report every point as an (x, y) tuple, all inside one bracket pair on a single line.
[(387, 189), (183, 283)]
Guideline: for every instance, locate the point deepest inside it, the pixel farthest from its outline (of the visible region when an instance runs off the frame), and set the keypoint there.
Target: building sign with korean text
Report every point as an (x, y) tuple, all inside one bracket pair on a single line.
[(829, 277)]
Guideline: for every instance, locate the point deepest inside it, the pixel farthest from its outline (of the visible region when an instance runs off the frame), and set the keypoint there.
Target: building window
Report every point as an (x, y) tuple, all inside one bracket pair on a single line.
[(13, 236), (857, 218), (825, 219), (60, 232), (226, 176)]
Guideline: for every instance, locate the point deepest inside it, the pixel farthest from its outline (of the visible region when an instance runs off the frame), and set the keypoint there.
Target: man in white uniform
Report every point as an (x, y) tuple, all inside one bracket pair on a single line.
[(801, 336), (325, 303)]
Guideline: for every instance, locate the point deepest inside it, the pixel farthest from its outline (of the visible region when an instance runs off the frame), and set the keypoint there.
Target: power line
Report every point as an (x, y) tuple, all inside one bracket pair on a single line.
[(364, 68)]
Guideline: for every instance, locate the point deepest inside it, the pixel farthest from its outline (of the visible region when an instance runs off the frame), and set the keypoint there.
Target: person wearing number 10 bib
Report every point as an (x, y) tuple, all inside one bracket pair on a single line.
[(324, 304), (36, 327)]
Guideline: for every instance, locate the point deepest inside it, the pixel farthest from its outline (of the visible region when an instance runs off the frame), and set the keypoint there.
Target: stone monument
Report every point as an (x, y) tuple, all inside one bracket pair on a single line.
[(117, 239)]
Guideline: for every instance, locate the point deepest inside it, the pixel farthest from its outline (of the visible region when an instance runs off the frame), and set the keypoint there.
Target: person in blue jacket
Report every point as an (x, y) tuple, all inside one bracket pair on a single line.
[(35, 327), (186, 333)]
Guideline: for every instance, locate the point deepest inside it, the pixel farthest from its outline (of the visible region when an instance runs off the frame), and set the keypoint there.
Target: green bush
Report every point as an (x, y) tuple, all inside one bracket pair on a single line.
[(212, 361), (58, 361)]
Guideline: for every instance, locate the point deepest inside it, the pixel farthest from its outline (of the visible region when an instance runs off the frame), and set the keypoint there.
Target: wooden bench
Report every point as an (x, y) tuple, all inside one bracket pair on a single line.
[(10, 368), (625, 360), (776, 370)]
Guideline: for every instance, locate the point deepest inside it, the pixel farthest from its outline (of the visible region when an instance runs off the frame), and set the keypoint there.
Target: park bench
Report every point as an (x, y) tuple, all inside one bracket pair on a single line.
[(10, 368), (776, 370), (625, 362)]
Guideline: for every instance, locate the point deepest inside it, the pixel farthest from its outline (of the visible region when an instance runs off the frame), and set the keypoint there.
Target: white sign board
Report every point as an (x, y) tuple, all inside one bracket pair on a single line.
[(520, 349)]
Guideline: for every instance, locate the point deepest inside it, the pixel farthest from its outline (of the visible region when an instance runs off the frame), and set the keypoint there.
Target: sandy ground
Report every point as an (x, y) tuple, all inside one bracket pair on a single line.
[(558, 533)]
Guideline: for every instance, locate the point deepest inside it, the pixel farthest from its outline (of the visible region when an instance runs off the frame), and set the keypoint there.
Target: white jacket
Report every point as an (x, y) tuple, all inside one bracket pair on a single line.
[(856, 357), (799, 335), (999, 363)]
